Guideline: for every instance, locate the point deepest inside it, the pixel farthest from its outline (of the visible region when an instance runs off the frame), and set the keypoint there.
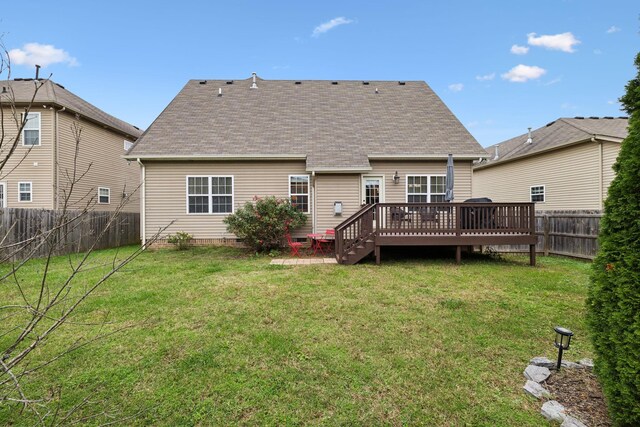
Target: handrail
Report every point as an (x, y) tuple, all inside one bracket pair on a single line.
[(354, 230)]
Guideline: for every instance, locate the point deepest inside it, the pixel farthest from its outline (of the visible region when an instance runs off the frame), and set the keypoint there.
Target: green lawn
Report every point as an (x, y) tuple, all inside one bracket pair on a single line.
[(217, 337)]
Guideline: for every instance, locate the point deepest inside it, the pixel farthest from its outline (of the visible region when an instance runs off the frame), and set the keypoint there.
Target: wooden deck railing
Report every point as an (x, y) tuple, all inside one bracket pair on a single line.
[(354, 230)]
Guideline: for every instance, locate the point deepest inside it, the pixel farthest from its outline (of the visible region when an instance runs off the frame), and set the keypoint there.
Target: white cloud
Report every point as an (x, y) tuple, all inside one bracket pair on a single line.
[(329, 25), (522, 73), (486, 77), (519, 50), (456, 87), (563, 42), (613, 29), (41, 54)]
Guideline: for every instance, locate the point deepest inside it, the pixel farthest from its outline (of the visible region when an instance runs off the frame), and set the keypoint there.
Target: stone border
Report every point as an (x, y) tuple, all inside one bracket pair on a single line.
[(303, 261), (537, 372)]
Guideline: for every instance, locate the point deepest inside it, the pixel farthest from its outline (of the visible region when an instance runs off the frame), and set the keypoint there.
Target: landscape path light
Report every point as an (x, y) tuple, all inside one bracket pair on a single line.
[(563, 339)]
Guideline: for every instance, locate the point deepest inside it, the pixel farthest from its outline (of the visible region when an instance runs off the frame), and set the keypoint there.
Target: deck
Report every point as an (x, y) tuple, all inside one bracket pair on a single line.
[(459, 225)]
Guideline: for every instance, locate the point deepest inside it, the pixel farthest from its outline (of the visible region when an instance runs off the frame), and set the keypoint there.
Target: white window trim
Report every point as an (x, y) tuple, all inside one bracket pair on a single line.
[(30, 192), (429, 193), (108, 195), (209, 195), (39, 130), (544, 193), (308, 194), (3, 204)]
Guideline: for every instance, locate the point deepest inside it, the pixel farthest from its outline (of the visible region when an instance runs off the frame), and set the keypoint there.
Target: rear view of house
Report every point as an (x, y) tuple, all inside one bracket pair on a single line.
[(40, 172), (565, 165), (329, 146)]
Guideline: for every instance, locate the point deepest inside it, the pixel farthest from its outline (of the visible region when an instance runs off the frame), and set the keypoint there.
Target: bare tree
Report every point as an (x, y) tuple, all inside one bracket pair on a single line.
[(40, 309)]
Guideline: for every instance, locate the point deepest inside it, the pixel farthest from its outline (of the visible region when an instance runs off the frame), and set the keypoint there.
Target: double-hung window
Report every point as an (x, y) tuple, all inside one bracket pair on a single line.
[(104, 195), (536, 193), (24, 191), (299, 192), (209, 194), (31, 130), (426, 188)]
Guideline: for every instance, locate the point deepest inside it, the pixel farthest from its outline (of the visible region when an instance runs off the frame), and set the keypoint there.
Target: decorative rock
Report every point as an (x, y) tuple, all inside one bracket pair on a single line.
[(536, 373), (536, 390), (569, 421), (543, 361), (553, 411), (572, 365), (587, 363)]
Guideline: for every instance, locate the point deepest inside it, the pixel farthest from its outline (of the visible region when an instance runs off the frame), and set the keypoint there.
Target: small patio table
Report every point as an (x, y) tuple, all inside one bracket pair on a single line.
[(316, 242)]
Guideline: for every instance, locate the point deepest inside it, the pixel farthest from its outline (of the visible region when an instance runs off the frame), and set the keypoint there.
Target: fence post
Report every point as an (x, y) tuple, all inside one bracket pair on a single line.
[(546, 242)]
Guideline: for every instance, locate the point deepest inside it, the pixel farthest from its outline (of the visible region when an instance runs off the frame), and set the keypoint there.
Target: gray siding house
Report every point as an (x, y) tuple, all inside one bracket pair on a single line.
[(330, 146)]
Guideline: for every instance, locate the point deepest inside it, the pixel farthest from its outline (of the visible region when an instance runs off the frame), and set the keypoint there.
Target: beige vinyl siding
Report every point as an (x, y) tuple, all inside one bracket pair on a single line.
[(332, 188), (166, 193), (610, 151), (570, 175), (100, 153), (29, 163), (397, 192)]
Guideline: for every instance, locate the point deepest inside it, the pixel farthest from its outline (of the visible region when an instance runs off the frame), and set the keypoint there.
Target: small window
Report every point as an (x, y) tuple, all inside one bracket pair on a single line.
[(127, 145), (537, 193), (31, 130), (209, 194), (24, 191), (426, 188), (104, 196), (299, 192)]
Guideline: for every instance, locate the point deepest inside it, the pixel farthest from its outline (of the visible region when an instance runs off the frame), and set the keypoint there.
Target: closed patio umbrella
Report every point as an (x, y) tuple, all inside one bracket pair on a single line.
[(448, 195)]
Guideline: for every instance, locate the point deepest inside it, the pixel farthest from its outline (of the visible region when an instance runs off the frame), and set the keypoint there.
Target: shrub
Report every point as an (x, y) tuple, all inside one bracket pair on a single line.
[(181, 240), (263, 224), (613, 304)]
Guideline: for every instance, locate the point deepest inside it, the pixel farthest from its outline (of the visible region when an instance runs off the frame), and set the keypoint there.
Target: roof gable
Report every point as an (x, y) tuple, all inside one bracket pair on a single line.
[(332, 124)]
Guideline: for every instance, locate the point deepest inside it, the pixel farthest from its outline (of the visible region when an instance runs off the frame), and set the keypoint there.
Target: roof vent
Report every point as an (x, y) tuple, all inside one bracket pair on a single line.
[(579, 117), (401, 83), (4, 89), (59, 85), (594, 117), (219, 91), (529, 139), (204, 82), (623, 117), (496, 156), (230, 82), (365, 83), (298, 83), (609, 117), (550, 123), (334, 83), (377, 91), (254, 85)]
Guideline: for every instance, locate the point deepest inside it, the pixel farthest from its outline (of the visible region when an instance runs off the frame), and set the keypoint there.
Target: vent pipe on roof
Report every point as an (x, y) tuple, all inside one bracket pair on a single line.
[(377, 90), (529, 140), (496, 156), (254, 84), (219, 91), (37, 71)]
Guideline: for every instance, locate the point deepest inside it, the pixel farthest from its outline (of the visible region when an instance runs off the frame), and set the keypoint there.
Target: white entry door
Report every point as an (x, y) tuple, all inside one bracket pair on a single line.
[(372, 189), (3, 195)]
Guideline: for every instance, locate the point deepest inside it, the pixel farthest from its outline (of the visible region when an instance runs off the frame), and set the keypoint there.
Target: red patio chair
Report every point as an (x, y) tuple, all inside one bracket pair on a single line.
[(326, 245), (294, 246)]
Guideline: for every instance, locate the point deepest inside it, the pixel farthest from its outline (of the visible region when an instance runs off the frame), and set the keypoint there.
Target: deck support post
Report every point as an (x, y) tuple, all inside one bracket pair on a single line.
[(377, 251), (532, 255), (458, 254)]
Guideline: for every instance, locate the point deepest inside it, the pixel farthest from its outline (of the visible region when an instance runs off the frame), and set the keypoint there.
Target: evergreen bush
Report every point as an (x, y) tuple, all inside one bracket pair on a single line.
[(263, 223), (613, 304)]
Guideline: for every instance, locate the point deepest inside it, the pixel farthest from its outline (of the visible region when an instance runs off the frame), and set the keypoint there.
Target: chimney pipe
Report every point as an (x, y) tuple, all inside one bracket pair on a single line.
[(37, 71), (254, 85), (529, 140), (496, 155)]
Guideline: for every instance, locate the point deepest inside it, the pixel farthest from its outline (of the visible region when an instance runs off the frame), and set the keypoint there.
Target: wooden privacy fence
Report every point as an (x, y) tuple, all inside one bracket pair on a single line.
[(568, 233), (22, 230)]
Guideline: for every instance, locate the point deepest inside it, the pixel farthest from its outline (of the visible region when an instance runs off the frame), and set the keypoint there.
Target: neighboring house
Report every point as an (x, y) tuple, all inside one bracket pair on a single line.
[(40, 171), (565, 165), (330, 146)]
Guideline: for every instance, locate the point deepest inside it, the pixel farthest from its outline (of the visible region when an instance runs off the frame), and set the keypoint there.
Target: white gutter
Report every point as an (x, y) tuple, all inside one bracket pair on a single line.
[(314, 211), (143, 185), (600, 171)]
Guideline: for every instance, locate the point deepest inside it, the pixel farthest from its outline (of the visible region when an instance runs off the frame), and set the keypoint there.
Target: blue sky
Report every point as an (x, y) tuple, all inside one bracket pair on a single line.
[(500, 66)]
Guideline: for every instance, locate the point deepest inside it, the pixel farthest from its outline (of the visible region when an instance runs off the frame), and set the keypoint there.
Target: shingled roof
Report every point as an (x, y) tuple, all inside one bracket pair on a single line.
[(22, 91), (334, 125), (560, 133)]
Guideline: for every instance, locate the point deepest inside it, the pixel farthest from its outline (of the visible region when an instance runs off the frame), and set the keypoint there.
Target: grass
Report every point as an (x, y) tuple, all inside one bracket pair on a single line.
[(219, 337)]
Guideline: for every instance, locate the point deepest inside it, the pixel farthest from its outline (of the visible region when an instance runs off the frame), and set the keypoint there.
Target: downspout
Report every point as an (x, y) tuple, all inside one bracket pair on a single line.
[(54, 156), (314, 221), (600, 172), (143, 228)]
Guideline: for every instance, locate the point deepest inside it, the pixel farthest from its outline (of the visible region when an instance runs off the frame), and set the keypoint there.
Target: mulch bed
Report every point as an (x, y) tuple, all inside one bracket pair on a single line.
[(579, 391)]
